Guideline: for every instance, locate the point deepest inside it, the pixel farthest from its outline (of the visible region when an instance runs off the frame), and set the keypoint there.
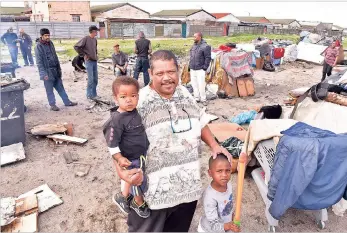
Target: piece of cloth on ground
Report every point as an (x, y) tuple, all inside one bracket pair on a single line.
[(234, 146), (244, 117), (306, 160), (259, 130), (271, 112)]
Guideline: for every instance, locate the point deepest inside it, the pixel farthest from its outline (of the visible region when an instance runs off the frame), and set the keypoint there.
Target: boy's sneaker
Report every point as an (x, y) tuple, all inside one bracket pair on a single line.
[(122, 202), (143, 211)]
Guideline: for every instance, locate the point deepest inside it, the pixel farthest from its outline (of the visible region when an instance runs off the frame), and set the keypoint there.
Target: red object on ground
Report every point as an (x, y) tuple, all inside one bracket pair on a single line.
[(278, 53)]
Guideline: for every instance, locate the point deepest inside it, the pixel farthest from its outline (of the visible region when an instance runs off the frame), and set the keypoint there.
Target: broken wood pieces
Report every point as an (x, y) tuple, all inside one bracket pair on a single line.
[(48, 129), (26, 205), (60, 138), (24, 216), (21, 214), (8, 209), (45, 196), (27, 223), (12, 153)]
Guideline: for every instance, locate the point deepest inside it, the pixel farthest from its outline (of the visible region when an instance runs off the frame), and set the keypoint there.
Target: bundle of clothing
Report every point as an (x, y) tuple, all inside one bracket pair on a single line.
[(309, 170)]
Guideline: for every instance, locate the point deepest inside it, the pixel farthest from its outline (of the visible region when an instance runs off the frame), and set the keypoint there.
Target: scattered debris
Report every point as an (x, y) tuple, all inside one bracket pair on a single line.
[(59, 138), (46, 198), (27, 223), (8, 209), (48, 129), (70, 158), (12, 153), (26, 205), (81, 169)]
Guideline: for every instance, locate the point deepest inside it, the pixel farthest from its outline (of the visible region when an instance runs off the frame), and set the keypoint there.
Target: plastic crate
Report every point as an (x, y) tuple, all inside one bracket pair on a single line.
[(265, 154)]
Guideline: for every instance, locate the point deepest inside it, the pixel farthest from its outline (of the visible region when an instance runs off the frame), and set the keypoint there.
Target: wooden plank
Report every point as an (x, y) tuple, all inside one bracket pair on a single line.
[(27, 223), (12, 153), (8, 209), (65, 138), (225, 130), (26, 205), (45, 196)]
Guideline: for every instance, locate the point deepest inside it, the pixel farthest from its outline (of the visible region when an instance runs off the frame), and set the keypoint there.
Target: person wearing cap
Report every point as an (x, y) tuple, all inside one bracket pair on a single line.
[(25, 47), (143, 48), (120, 62), (10, 39), (87, 47), (330, 58), (49, 70)]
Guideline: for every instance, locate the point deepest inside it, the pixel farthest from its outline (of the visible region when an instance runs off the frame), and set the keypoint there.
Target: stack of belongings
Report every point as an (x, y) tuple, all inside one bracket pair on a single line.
[(230, 69), (333, 89), (264, 46)]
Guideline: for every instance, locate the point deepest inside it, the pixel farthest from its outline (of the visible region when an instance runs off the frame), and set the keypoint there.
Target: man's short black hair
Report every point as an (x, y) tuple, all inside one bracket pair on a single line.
[(163, 55), (124, 80), (93, 28), (219, 157), (44, 31)]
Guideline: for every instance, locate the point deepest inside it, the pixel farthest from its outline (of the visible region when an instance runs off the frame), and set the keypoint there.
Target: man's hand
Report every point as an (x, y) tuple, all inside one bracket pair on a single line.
[(123, 162), (217, 149), (334, 64), (86, 58), (45, 78)]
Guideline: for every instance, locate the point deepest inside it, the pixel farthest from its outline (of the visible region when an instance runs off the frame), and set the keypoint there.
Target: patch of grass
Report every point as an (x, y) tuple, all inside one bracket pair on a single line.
[(180, 46)]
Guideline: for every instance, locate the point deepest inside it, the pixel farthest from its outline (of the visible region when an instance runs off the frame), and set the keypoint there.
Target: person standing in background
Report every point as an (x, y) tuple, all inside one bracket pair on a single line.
[(49, 69), (87, 47), (200, 57), (10, 39), (143, 48), (25, 47), (331, 55)]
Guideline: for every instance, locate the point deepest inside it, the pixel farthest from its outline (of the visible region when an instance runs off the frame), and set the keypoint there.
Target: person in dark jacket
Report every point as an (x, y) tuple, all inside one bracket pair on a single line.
[(10, 39), (143, 48), (200, 57), (87, 46), (49, 69), (77, 63), (25, 47)]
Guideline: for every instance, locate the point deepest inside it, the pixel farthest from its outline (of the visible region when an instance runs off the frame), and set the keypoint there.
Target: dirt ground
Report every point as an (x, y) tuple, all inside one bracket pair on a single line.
[(87, 200)]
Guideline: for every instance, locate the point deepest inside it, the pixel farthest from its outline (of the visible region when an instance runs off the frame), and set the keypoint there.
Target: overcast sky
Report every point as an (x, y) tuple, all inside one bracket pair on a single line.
[(334, 12)]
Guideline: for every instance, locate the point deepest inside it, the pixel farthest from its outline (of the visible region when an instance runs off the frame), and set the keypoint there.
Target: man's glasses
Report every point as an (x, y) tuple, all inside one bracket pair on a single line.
[(178, 123)]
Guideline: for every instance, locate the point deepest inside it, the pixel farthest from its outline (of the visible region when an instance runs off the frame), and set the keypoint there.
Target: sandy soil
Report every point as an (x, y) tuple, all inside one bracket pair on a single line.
[(87, 201)]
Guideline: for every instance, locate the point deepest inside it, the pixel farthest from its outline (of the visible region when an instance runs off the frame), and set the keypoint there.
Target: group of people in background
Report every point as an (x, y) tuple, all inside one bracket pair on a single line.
[(11, 40), (86, 61)]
